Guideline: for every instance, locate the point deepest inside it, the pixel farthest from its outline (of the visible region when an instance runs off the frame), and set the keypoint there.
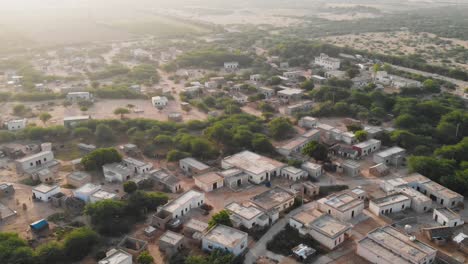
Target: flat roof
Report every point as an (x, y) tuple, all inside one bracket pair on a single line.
[(311, 165), (351, 163), (209, 177), (310, 133), (43, 188), (115, 256), (226, 236), (414, 195), (291, 91), (76, 118), (246, 210), (292, 170), (197, 225), (441, 190), (391, 199), (135, 162), (171, 237), (35, 156), (330, 226), (295, 142), (195, 163), (451, 215), (253, 162), (342, 201), (88, 188), (116, 168), (101, 194), (272, 197), (367, 143), (390, 152), (181, 200), (78, 175)]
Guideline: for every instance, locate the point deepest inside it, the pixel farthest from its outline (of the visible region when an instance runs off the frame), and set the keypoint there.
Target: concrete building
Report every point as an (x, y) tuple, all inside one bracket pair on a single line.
[(327, 62), (171, 242), (194, 228), (79, 96), (6, 189), (71, 121), (293, 146), (379, 170), (18, 124), (231, 66), (34, 161), (307, 122), (343, 205), (159, 101), (78, 178), (419, 202), (169, 181), (267, 92), (84, 192), (137, 166), (438, 193), (246, 214), (274, 201), (350, 168), (116, 172), (116, 256), (447, 217), (312, 135), (367, 147), (299, 107), (259, 168), (290, 94), (255, 77), (395, 156), (389, 204), (44, 192), (192, 166), (234, 178), (43, 175), (294, 75), (387, 245), (101, 195), (225, 238), (344, 151), (322, 227), (293, 173), (209, 181), (313, 169)]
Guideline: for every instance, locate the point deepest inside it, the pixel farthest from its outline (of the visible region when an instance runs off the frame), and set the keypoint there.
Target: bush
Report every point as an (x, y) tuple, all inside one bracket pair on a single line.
[(79, 242), (99, 157)]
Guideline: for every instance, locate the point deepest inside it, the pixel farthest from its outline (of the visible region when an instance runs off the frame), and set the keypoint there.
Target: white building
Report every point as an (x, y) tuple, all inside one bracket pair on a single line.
[(389, 204), (293, 173), (192, 166), (159, 101), (116, 172), (387, 245), (266, 91), (322, 227), (393, 156), (290, 94), (116, 256), (102, 195), (343, 205), (447, 217), (308, 122), (293, 74), (294, 146), (327, 62), (34, 161), (367, 147), (225, 238), (246, 214), (259, 168), (255, 77), (314, 170), (44, 192), (71, 121), (84, 192), (234, 178), (231, 66), (209, 181), (17, 124), (79, 96), (274, 201), (137, 166), (419, 202), (183, 204)]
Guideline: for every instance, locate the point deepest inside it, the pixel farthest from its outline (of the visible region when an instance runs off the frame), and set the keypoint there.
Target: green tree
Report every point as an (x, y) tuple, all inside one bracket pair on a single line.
[(216, 257), (104, 133), (260, 143), (13, 249), (222, 218), (20, 110), (361, 135), (50, 253), (97, 158), (315, 150), (308, 85), (145, 258), (431, 167), (44, 117), (280, 128), (6, 136), (130, 187), (121, 111), (108, 216), (78, 243), (82, 132), (176, 155)]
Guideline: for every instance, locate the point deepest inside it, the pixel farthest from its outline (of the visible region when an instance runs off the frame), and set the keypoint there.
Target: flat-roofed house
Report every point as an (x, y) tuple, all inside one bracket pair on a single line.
[(274, 201), (367, 147), (234, 178), (293, 173), (137, 166), (259, 168), (290, 94), (102, 195), (71, 121), (324, 228), (299, 107), (209, 181), (395, 156), (307, 122), (44, 192), (171, 242), (18, 124), (231, 66), (225, 238), (166, 179), (350, 168), (389, 204), (116, 256), (194, 226), (78, 178), (246, 214), (343, 205), (447, 217), (192, 166), (293, 146), (79, 96), (314, 170), (34, 161), (327, 62), (84, 192), (438, 193), (116, 172), (419, 202), (387, 245)]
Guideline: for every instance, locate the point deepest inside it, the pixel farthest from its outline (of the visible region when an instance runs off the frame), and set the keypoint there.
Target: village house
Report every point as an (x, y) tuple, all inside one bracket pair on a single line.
[(438, 193), (18, 124), (79, 96), (336, 74), (299, 107), (293, 173), (116, 172), (327, 62), (209, 181), (393, 156), (290, 94), (367, 147), (159, 101), (343, 151), (350, 168), (169, 181), (267, 92), (231, 66), (234, 178), (246, 214), (419, 202), (379, 170), (447, 217), (259, 168), (71, 121), (44, 192), (317, 79), (294, 75), (170, 242), (43, 175), (274, 201), (84, 192), (314, 170), (344, 205), (307, 122), (293, 146), (389, 204), (101, 195), (225, 238), (192, 166), (137, 166), (255, 77), (34, 161), (194, 228), (373, 131), (322, 227), (6, 189), (116, 256), (386, 245)]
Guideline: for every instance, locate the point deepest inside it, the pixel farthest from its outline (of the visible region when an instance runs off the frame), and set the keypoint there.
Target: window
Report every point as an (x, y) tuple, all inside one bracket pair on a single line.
[(210, 246), (403, 206)]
